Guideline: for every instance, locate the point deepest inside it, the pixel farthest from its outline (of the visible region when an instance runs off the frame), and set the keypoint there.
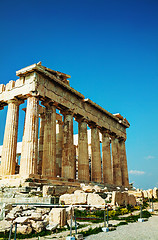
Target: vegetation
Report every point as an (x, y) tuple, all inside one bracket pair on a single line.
[(91, 231), (98, 216)]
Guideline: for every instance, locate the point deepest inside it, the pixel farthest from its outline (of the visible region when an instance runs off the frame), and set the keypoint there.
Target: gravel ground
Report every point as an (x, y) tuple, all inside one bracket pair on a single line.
[(140, 231)]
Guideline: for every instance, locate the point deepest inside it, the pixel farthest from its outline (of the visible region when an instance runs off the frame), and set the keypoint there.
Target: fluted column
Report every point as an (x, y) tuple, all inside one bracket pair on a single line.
[(116, 166), (106, 158), (68, 162), (96, 157), (8, 161), (49, 146), (83, 159), (29, 154), (123, 160), (41, 141), (59, 147)]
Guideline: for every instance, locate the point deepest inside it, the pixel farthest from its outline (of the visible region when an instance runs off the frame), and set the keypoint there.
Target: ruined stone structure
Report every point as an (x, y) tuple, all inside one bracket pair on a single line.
[(51, 152)]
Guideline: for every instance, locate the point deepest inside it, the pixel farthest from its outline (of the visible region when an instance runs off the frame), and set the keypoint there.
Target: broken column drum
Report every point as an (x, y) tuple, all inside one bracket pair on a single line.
[(49, 151)]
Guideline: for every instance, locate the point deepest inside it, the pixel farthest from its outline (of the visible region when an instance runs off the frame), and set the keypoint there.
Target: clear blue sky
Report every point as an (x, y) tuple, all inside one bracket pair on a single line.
[(110, 49)]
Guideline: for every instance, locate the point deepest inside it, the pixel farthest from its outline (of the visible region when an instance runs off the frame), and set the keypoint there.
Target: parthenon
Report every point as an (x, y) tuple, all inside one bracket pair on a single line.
[(48, 151)]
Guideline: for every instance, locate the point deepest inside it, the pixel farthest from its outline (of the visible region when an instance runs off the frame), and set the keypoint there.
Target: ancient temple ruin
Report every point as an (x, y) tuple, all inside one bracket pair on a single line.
[(51, 153)]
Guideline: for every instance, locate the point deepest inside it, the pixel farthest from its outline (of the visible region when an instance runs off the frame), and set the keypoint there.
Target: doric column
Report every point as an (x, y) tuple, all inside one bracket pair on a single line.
[(116, 166), (59, 146), (29, 154), (68, 162), (83, 159), (106, 158), (49, 146), (123, 160), (96, 157), (41, 141), (8, 161)]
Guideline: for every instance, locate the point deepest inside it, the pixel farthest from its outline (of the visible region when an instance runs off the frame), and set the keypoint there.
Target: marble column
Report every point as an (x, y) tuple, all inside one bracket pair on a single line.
[(116, 166), (59, 146), (29, 154), (106, 158), (96, 156), (49, 146), (68, 162), (123, 160), (41, 141), (8, 161), (83, 159)]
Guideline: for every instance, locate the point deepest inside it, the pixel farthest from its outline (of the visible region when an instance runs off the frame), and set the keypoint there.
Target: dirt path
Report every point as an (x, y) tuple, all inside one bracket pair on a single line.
[(132, 231)]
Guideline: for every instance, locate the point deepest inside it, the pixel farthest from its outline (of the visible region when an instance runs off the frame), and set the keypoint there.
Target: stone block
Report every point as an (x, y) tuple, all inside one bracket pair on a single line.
[(150, 193), (122, 199), (10, 85), (23, 229), (155, 193), (52, 226), (36, 216), (2, 88), (145, 193), (74, 199), (69, 212), (137, 194), (37, 226), (4, 226), (21, 220), (58, 215), (132, 200), (19, 82), (48, 190), (95, 199), (88, 189)]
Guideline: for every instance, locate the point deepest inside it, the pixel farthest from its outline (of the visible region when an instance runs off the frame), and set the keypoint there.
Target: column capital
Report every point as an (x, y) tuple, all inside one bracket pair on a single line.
[(122, 139), (114, 136), (105, 132), (93, 125), (59, 122), (42, 115), (48, 103), (15, 101), (80, 119)]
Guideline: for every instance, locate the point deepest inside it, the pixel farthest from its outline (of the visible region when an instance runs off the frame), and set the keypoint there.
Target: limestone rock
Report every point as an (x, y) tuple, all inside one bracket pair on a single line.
[(52, 226), (48, 190), (150, 193), (74, 199), (97, 188), (10, 216), (4, 225), (88, 189), (69, 212), (155, 193), (38, 226), (21, 220), (36, 216), (137, 194), (23, 229), (132, 200), (58, 215), (145, 193), (28, 212), (120, 198), (78, 192), (95, 199)]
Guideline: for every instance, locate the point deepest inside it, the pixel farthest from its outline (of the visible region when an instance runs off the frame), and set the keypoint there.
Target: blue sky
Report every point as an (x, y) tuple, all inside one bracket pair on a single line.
[(110, 49)]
